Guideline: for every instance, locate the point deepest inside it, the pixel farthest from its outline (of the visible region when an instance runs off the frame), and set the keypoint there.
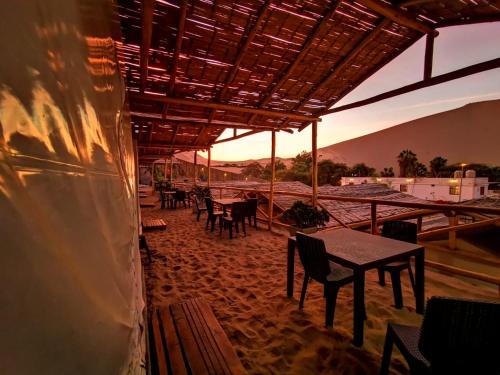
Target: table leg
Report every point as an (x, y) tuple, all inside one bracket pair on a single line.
[(290, 268), (420, 282), (359, 307)]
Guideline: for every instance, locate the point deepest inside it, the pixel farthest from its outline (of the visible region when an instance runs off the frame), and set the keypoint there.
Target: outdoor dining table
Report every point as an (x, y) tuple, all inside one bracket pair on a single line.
[(227, 202), (360, 252)]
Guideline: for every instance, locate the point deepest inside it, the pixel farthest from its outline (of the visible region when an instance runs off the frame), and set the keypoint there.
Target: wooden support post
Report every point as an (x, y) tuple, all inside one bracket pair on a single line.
[(374, 228), (209, 176), (429, 52), (314, 163), (171, 168), (165, 169), (195, 171), (271, 186), (452, 235), (419, 224)]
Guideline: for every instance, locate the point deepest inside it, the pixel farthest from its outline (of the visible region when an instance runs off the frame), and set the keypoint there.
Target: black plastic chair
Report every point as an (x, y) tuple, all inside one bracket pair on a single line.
[(402, 231), (166, 199), (238, 214), (457, 337), (313, 256), (181, 197), (199, 207), (212, 214), (252, 211)]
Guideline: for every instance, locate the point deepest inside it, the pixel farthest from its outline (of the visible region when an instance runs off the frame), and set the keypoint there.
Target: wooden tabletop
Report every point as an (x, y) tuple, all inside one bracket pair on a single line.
[(355, 249), (228, 201)]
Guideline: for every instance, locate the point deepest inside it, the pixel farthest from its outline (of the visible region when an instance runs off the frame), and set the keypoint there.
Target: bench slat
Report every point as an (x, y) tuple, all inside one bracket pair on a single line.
[(206, 340), (174, 349), (160, 352), (227, 350), (195, 342)]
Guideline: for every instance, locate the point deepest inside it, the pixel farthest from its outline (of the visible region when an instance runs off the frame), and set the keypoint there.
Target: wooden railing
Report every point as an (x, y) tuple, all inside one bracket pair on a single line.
[(421, 210)]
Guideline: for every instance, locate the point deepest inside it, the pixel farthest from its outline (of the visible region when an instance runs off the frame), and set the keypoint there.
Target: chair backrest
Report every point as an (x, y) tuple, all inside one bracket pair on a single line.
[(210, 205), (461, 336), (251, 206), (238, 210), (313, 256), (400, 230), (162, 195), (180, 195)]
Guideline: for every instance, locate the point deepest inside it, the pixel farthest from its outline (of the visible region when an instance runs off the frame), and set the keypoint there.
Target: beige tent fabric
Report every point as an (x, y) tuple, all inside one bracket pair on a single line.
[(70, 296)]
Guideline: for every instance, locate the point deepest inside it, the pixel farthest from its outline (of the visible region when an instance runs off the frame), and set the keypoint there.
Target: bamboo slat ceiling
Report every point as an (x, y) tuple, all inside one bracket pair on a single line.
[(294, 57)]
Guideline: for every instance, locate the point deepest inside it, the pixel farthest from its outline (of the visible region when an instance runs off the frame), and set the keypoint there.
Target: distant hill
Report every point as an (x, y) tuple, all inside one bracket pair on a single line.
[(469, 134)]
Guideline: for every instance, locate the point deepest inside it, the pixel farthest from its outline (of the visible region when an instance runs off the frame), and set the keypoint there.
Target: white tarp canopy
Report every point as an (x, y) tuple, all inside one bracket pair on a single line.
[(70, 301)]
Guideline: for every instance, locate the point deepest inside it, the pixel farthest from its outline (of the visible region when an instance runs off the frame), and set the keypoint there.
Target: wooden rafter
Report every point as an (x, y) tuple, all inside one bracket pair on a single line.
[(246, 134), (243, 49), (239, 58), (224, 107), (146, 31), (343, 63), (178, 46), (460, 73), (397, 15), (317, 30), (429, 53), (177, 127), (202, 131), (196, 120), (168, 146)]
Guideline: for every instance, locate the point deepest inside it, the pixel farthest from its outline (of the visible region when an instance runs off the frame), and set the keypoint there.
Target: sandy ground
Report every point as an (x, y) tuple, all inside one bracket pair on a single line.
[(244, 281)]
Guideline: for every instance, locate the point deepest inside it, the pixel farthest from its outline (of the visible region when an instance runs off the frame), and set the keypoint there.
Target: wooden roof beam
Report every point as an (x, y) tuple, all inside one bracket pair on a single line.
[(202, 131), (218, 124), (460, 73), (146, 32), (220, 106), (246, 134), (178, 46), (397, 15), (340, 65), (170, 146), (243, 49), (177, 127), (317, 30)]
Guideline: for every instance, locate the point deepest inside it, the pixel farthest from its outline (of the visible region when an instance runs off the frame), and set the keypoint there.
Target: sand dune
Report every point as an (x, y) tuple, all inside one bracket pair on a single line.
[(244, 281)]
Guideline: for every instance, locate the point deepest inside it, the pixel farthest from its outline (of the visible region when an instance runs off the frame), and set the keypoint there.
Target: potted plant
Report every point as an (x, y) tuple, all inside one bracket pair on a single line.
[(305, 218), (200, 193)]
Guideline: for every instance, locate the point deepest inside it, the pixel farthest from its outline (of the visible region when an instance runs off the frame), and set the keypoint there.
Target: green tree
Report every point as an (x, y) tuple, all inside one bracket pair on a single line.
[(407, 161), (330, 172), (253, 170), (387, 172), (301, 169), (302, 162), (420, 170), (362, 170), (278, 166), (437, 165)]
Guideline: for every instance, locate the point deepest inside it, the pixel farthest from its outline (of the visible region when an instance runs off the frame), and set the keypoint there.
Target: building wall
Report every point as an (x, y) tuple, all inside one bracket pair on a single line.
[(434, 189)]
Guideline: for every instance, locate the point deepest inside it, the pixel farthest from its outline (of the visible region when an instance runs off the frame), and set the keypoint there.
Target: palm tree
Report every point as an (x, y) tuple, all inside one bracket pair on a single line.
[(437, 164), (407, 161), (387, 172)]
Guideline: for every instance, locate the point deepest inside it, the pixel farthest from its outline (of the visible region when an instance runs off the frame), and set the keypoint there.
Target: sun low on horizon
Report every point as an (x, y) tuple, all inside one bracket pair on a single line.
[(454, 48)]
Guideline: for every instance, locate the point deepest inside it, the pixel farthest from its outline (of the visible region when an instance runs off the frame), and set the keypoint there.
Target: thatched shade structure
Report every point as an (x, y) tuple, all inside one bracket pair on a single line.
[(196, 68)]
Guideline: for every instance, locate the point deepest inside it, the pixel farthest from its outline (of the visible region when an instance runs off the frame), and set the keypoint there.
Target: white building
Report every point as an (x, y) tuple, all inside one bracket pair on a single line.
[(455, 189)]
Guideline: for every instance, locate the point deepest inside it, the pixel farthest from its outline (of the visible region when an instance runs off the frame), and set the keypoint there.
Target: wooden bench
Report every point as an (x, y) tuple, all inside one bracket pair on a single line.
[(153, 224), (188, 339)]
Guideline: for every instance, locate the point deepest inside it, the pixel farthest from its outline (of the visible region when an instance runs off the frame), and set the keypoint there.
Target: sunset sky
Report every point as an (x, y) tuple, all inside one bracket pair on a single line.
[(454, 48)]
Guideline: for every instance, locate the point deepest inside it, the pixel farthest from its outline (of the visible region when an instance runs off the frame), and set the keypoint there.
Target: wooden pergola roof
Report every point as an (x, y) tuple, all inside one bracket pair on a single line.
[(196, 68)]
